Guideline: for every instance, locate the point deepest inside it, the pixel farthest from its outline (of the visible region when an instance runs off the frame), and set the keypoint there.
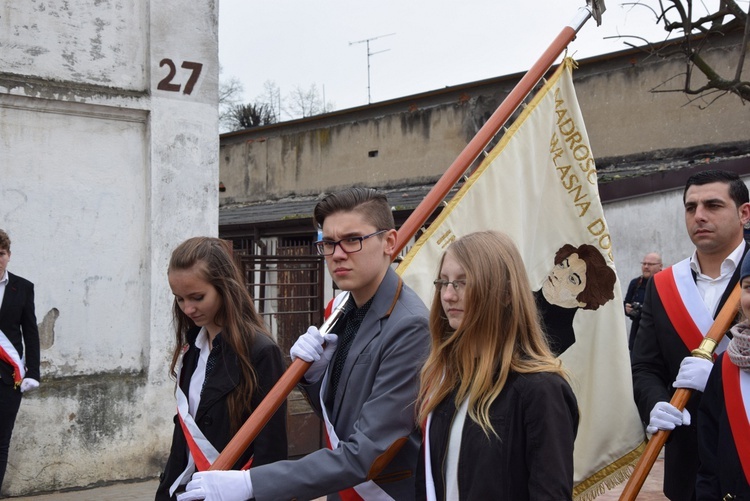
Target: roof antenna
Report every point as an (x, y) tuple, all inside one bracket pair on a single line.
[(367, 41)]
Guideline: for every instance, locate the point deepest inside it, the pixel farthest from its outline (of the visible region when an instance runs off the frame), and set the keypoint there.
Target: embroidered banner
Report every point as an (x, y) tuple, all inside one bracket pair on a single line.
[(539, 185)]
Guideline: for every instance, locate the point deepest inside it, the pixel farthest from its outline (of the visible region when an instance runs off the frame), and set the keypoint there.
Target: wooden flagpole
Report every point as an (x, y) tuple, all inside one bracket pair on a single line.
[(297, 369), (490, 129), (681, 396)]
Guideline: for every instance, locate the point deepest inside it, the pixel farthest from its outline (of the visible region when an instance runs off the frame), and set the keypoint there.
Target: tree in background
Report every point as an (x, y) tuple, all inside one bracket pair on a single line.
[(301, 103), (268, 107), (230, 95), (699, 28), (245, 116)]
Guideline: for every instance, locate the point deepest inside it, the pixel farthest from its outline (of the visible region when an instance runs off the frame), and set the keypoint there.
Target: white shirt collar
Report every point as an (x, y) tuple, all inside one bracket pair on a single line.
[(730, 263), (4, 280), (201, 341)]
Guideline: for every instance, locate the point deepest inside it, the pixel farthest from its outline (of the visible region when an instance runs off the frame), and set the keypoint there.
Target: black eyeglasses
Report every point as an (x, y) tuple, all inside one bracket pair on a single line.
[(350, 245), (458, 285)]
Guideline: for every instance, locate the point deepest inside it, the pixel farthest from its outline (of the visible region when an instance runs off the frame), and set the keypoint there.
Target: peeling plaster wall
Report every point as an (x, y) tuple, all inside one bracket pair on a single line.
[(106, 164), (87, 41)]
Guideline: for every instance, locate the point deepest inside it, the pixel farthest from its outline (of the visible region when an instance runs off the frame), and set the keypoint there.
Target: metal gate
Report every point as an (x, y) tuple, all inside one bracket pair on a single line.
[(288, 289)]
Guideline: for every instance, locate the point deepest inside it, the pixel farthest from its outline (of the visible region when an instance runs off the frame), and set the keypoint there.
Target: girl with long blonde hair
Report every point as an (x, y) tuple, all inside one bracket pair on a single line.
[(499, 413)]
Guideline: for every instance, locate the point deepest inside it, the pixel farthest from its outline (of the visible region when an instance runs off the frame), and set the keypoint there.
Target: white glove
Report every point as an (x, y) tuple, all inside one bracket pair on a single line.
[(693, 373), (665, 416), (218, 485), (28, 384), (309, 347)]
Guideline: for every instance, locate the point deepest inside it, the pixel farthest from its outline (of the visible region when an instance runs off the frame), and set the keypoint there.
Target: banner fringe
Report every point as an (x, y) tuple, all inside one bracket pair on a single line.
[(608, 477)]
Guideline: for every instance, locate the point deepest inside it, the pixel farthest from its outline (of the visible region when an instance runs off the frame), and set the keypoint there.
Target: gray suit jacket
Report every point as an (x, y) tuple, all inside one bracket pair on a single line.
[(373, 410)]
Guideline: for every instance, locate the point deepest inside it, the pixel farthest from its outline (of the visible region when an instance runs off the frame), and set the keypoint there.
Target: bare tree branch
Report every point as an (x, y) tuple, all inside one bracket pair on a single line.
[(678, 16)]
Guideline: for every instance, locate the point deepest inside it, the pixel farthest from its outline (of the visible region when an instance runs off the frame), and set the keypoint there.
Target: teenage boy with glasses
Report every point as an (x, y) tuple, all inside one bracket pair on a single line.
[(366, 393)]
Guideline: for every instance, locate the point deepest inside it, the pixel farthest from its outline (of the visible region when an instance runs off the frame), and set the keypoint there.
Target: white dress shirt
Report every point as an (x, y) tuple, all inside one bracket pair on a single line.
[(711, 289)]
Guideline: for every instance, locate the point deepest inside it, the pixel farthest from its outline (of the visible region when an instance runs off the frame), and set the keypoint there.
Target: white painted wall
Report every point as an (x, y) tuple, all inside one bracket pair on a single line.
[(102, 174)]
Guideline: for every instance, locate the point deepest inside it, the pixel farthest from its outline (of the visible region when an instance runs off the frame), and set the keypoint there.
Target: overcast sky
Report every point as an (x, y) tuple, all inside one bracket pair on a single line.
[(423, 45)]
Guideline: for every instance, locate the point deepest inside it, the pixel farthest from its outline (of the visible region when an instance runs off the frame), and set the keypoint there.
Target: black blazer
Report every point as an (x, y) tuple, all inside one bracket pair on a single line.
[(536, 420), (657, 353), (18, 323), (213, 416)]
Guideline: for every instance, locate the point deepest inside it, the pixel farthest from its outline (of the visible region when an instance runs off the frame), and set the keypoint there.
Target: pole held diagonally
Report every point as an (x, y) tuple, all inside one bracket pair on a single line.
[(681, 396), (432, 200)]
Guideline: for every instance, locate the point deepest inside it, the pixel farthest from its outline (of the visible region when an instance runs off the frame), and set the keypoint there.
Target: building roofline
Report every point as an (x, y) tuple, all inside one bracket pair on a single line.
[(434, 95)]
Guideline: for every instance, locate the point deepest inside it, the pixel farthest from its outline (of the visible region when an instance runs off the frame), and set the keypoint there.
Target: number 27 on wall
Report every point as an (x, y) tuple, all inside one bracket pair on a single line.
[(166, 82)]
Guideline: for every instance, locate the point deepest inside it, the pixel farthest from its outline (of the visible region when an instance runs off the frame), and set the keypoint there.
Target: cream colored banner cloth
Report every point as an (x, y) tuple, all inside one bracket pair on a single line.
[(539, 185)]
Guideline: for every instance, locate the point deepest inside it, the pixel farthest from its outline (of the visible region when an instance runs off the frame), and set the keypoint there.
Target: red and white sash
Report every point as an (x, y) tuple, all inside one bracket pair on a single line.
[(684, 306), (366, 491), (9, 355), (201, 452), (737, 401)]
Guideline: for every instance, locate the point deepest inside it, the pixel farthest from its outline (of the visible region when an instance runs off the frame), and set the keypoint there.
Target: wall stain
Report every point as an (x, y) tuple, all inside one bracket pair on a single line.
[(96, 42), (417, 121), (88, 282), (105, 404)]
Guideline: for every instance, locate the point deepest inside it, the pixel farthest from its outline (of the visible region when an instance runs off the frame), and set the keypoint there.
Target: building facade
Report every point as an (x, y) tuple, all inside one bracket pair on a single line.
[(108, 159), (646, 143)]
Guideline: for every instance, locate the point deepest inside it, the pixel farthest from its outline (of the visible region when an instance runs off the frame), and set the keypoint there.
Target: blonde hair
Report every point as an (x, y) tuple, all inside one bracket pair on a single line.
[(500, 331)]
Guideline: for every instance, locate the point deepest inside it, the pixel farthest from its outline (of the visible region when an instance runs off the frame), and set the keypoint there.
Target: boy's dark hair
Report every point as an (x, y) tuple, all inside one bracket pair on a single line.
[(371, 204), (737, 188), (4, 241)]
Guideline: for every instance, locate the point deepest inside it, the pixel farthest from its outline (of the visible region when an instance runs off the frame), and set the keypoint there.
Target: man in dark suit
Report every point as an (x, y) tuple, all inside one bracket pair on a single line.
[(18, 330), (678, 310)]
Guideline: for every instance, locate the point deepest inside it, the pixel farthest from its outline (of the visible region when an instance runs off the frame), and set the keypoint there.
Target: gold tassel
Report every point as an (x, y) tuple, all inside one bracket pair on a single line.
[(608, 477)]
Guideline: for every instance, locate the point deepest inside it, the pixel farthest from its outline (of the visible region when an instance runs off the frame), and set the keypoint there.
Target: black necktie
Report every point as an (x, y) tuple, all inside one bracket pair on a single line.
[(213, 356)]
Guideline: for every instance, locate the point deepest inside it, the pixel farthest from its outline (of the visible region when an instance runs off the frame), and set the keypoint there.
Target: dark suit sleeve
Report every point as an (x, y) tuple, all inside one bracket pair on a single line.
[(650, 371), (271, 443), (712, 404), (631, 291), (30, 335)]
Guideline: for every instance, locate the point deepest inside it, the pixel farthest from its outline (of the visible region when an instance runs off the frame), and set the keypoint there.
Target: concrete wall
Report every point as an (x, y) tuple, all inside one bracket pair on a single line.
[(628, 110), (106, 165), (415, 138), (374, 152), (651, 223)]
